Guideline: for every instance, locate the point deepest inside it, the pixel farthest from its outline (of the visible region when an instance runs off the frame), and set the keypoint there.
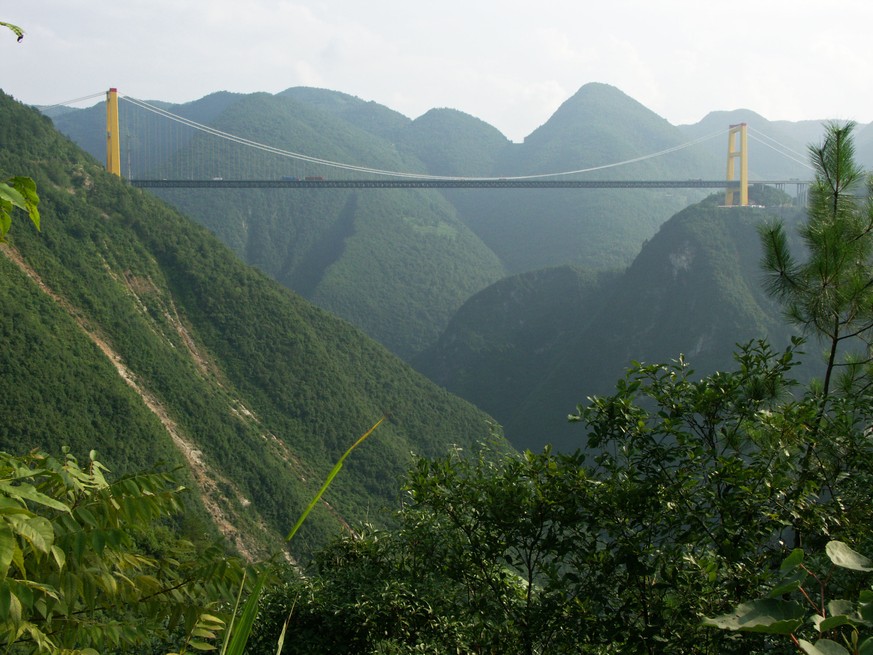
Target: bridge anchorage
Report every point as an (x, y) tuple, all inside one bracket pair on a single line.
[(736, 184)]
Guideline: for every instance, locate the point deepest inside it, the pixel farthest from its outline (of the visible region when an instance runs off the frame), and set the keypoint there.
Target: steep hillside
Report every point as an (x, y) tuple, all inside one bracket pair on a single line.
[(133, 330), (506, 337), (693, 290)]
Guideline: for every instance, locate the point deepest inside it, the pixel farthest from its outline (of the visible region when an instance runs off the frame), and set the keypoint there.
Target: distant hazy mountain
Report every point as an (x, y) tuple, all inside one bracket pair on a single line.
[(130, 329), (600, 229), (452, 143), (368, 116), (601, 125)]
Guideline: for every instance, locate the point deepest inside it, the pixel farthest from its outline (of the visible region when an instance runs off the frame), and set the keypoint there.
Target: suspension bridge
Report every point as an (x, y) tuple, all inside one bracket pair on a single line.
[(161, 149)]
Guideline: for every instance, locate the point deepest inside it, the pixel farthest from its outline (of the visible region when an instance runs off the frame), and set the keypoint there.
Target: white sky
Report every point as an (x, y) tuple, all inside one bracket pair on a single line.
[(509, 62)]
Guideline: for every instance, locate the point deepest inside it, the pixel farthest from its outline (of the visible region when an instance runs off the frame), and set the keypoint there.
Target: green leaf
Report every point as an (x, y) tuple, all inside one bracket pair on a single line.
[(17, 192), (29, 492), (7, 549), (823, 624), (788, 585), (841, 555), (60, 557), (98, 541), (839, 606), (26, 187), (794, 559), (12, 196), (281, 642), (242, 630), (866, 647), (333, 473), (19, 33), (768, 615), (822, 647), (201, 645), (36, 530)]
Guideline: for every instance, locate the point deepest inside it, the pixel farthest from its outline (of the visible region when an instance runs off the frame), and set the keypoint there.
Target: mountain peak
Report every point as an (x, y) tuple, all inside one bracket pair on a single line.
[(596, 108)]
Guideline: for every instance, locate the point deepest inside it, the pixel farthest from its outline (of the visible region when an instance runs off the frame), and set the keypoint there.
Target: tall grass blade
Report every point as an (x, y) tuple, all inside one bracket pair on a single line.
[(237, 634), (281, 641), (243, 628), (330, 477)]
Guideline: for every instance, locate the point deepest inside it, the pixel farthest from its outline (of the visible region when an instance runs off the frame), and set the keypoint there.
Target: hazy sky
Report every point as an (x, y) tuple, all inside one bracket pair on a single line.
[(508, 62)]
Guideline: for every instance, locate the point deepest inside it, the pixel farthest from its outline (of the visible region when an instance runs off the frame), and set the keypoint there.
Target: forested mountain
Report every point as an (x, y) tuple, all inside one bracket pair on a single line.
[(598, 229), (368, 116), (130, 329), (397, 263), (334, 247), (453, 143), (550, 340), (505, 339)]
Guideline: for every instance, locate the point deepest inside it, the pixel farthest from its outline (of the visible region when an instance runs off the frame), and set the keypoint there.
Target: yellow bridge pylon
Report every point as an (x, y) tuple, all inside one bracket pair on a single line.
[(113, 145), (738, 149)]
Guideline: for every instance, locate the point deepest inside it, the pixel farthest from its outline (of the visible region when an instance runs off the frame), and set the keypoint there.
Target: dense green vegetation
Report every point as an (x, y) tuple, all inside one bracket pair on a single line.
[(696, 495), (505, 339), (553, 336), (89, 566), (264, 390)]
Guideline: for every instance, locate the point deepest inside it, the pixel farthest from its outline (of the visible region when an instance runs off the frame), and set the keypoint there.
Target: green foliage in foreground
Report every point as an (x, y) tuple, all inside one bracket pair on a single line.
[(838, 623), (88, 565), (17, 192), (696, 490), (82, 565)]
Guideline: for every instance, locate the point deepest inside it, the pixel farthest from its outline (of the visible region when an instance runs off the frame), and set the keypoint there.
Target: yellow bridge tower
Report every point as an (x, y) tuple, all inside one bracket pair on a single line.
[(113, 145), (738, 149)]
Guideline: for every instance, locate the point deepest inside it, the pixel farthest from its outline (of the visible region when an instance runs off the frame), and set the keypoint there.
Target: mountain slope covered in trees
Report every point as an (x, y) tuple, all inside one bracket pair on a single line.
[(130, 329), (399, 263), (551, 340)]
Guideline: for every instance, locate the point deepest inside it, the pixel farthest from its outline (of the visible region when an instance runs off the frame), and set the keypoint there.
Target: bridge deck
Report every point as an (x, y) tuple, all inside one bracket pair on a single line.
[(465, 183)]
